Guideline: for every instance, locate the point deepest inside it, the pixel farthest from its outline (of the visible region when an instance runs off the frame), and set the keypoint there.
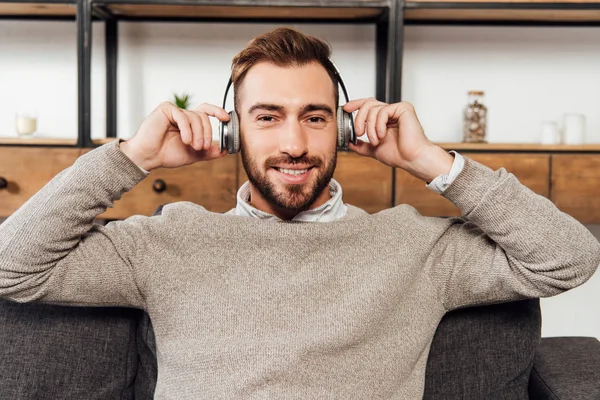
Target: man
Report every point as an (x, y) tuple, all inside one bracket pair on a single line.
[(248, 305)]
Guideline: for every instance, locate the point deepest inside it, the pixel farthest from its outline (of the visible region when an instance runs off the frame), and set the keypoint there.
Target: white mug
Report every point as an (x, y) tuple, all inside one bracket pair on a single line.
[(25, 124), (573, 128), (550, 133)]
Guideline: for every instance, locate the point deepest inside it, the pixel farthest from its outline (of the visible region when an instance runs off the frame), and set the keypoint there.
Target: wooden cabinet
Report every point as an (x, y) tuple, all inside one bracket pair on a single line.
[(575, 185), (27, 170), (570, 180), (211, 184), (366, 183), (533, 170)]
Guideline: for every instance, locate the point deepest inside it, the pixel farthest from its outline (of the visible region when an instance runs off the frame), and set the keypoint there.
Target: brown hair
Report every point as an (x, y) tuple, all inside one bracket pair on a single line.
[(284, 47)]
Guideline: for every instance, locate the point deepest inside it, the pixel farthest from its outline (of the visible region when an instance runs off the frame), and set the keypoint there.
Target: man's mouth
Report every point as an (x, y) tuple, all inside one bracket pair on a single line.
[(293, 176), (294, 172)]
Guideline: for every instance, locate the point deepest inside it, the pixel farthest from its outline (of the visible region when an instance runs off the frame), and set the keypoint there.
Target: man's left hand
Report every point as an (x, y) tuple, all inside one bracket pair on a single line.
[(397, 139)]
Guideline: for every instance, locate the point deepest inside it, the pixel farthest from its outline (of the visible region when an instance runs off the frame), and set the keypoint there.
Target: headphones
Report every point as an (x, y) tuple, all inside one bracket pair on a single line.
[(229, 133)]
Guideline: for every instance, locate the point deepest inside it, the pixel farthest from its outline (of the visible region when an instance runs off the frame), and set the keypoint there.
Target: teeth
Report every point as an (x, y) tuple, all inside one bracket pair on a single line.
[(293, 171)]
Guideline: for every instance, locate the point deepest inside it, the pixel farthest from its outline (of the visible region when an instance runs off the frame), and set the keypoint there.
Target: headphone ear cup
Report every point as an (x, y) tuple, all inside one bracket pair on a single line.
[(345, 123), (233, 145), (229, 134), (341, 135)]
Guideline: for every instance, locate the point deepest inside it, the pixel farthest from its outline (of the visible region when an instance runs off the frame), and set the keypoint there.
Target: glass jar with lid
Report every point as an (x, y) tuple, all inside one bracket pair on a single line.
[(475, 118)]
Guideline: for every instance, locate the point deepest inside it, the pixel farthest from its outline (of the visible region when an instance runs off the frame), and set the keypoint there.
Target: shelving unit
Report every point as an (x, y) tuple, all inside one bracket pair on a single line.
[(565, 174), (546, 169), (389, 17)]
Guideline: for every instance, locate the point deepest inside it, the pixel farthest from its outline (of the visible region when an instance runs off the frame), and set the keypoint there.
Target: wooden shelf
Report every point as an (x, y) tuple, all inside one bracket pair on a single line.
[(469, 147), (536, 3), (503, 15), (521, 147), (17, 141), (357, 10), (102, 141), (42, 9), (566, 11)]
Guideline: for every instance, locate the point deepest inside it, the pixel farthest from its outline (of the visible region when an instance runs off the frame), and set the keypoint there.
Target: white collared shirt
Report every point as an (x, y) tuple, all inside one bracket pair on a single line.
[(333, 209)]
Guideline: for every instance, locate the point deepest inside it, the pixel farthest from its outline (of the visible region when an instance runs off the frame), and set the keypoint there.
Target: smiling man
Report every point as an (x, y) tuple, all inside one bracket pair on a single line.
[(247, 304), (289, 151)]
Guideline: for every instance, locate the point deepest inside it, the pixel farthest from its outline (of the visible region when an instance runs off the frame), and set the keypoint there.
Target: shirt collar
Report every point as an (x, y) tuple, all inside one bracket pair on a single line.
[(333, 209)]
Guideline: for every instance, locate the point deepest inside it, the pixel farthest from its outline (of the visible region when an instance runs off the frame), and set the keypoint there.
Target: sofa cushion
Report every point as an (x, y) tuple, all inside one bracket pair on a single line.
[(566, 368), (484, 352), (54, 352)]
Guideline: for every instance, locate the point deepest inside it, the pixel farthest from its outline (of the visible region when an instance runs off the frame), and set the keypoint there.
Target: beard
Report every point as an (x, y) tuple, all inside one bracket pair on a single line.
[(297, 197)]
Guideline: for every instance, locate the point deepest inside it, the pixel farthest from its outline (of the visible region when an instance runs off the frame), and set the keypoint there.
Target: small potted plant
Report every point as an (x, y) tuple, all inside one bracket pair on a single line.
[(182, 101)]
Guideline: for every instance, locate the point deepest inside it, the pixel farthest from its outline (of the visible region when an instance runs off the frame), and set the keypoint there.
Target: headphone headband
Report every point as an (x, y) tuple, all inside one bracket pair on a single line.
[(335, 71), (340, 80), (229, 83)]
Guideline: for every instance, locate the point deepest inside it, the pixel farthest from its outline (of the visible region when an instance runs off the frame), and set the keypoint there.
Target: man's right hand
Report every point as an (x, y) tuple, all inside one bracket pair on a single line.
[(171, 137)]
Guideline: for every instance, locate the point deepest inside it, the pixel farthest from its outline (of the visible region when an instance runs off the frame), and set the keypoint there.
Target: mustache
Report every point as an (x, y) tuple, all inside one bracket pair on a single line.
[(286, 159)]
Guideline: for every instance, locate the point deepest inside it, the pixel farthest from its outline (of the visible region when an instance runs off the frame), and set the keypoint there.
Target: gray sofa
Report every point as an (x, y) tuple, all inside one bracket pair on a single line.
[(488, 352)]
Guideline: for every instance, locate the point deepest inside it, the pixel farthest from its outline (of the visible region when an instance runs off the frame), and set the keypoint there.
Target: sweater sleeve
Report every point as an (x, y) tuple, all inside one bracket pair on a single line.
[(51, 250), (510, 243)]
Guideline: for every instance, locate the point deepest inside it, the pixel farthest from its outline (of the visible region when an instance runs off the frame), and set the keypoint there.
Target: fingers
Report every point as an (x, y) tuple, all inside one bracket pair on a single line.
[(365, 119), (381, 122), (375, 117), (197, 127), (207, 131), (214, 152), (211, 153), (372, 123), (198, 124), (213, 111), (183, 124), (363, 148), (354, 105)]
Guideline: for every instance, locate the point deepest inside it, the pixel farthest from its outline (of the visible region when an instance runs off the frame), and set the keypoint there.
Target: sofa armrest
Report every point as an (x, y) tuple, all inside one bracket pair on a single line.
[(566, 368)]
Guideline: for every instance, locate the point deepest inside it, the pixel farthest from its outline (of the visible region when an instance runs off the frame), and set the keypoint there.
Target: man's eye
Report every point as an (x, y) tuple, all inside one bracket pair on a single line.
[(265, 118), (316, 120)]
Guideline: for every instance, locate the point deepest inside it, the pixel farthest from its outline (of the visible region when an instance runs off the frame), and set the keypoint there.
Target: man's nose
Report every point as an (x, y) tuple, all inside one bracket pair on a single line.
[(293, 140)]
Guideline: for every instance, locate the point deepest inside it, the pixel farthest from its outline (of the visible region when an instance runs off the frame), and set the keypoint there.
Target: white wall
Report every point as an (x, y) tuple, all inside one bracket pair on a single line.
[(529, 75), (576, 312)]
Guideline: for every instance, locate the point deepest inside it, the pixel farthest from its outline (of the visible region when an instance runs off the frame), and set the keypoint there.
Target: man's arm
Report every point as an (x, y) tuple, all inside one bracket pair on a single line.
[(51, 251), (510, 243)]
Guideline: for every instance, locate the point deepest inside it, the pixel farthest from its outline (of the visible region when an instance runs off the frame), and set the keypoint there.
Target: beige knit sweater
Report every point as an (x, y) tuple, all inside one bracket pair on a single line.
[(245, 308)]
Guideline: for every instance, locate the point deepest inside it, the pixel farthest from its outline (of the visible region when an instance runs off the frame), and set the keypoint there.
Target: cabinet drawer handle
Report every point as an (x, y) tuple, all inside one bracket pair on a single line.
[(159, 186), (3, 183)]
